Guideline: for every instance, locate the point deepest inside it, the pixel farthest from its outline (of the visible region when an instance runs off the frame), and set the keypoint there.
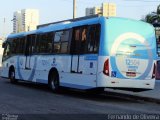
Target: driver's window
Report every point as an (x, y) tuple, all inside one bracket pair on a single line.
[(7, 51)]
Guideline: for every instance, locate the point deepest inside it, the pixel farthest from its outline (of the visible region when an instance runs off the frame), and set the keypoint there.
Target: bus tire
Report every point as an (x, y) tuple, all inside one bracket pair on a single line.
[(12, 76), (54, 81)]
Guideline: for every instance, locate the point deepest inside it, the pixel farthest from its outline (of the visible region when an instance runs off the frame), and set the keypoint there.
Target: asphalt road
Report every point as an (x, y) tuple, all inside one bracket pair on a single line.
[(37, 100)]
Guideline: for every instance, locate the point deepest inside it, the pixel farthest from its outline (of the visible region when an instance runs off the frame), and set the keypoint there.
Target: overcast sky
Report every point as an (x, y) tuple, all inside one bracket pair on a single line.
[(55, 10)]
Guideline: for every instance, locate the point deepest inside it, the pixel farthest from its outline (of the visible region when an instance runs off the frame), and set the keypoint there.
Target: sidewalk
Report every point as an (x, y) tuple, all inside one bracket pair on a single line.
[(151, 95)]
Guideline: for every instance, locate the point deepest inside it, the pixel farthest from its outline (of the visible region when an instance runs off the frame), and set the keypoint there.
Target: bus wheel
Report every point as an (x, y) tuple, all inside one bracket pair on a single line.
[(12, 76), (54, 81)]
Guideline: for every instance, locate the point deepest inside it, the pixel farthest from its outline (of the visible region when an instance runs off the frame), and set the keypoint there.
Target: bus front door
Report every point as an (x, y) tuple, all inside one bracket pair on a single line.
[(29, 50)]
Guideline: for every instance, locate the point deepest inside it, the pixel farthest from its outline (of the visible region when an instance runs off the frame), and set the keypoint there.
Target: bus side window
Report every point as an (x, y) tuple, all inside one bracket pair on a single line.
[(61, 41), (18, 46), (79, 40), (50, 42), (14, 46), (38, 38), (57, 39), (42, 45), (76, 41), (28, 44), (93, 39), (22, 45), (32, 44), (65, 41), (83, 40)]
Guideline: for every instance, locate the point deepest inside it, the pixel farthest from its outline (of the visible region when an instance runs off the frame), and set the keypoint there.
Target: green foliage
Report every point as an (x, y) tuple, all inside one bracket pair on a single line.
[(153, 17), (158, 10)]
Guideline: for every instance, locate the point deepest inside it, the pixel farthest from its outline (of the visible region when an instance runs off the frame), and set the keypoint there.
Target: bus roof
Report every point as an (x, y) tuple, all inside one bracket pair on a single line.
[(21, 34), (68, 24)]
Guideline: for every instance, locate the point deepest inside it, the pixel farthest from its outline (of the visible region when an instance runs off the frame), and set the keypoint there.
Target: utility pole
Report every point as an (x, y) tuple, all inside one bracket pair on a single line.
[(4, 27), (74, 9)]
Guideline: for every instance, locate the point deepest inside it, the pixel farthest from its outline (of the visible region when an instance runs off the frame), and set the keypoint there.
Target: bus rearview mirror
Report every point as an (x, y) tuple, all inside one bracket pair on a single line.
[(3, 45)]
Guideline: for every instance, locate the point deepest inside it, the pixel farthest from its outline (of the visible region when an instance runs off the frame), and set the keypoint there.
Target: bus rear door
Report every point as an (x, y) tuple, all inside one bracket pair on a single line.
[(75, 45), (78, 47)]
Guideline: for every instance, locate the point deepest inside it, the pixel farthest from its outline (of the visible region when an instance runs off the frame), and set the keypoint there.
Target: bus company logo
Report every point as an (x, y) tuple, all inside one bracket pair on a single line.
[(131, 64), (21, 61), (54, 62)]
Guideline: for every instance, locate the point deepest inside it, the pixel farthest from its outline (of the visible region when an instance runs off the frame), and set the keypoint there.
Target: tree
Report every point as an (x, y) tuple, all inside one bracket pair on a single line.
[(154, 17), (158, 13), (158, 10)]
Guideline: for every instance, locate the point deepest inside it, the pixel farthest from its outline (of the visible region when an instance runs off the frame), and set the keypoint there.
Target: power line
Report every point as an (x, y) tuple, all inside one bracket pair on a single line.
[(91, 2), (143, 0)]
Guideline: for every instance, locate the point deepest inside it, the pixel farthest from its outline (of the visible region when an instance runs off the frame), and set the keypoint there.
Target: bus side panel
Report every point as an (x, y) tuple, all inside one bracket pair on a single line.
[(4, 71), (79, 81), (20, 67), (12, 61), (46, 62), (86, 76)]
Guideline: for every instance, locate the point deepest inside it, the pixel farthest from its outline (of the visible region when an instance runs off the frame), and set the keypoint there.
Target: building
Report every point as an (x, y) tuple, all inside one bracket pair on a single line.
[(107, 10), (93, 11), (25, 20), (17, 22)]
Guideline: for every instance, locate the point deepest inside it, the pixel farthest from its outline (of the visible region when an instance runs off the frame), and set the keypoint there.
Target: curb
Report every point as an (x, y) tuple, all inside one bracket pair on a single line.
[(135, 97)]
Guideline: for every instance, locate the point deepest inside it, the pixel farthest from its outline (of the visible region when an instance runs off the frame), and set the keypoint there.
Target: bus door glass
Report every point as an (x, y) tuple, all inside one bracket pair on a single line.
[(30, 44), (78, 47), (89, 49)]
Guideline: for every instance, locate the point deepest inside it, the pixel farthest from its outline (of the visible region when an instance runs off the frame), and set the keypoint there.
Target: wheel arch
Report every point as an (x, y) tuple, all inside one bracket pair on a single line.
[(52, 70), (11, 68)]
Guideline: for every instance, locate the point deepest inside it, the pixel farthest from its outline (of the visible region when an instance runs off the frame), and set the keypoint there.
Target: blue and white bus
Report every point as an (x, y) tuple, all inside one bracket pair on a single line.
[(95, 52)]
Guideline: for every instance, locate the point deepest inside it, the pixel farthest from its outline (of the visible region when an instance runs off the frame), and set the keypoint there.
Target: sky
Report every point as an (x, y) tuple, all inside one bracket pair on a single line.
[(56, 10)]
